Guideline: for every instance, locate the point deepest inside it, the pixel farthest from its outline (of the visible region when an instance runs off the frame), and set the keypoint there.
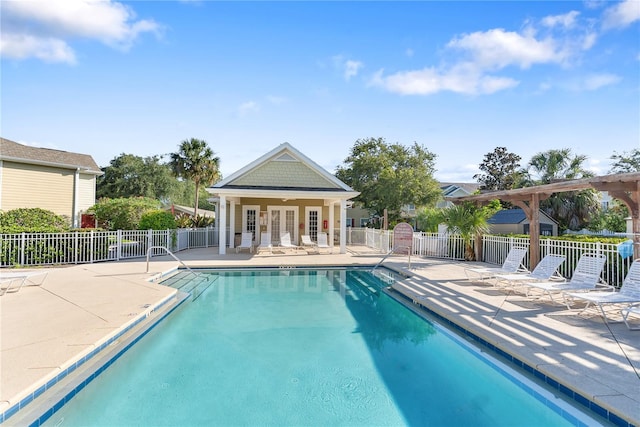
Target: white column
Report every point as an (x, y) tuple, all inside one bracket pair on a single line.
[(222, 226), (343, 226), (332, 215), (232, 224)]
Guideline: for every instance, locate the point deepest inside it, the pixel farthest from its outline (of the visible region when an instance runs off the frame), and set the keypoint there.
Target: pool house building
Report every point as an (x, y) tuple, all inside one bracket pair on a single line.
[(282, 191)]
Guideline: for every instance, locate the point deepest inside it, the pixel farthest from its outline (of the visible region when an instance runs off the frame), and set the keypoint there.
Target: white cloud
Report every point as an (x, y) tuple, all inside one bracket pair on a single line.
[(22, 46), (568, 20), (497, 48), (596, 81), (348, 67), (30, 28), (248, 107), (622, 14), (276, 100)]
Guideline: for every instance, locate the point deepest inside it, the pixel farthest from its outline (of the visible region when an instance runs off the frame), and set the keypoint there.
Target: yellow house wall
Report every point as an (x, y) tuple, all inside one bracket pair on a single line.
[(301, 204), (87, 192), (33, 186)]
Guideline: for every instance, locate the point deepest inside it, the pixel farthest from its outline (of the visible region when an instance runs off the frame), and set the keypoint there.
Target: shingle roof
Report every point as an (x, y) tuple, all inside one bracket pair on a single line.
[(508, 216), (12, 151)]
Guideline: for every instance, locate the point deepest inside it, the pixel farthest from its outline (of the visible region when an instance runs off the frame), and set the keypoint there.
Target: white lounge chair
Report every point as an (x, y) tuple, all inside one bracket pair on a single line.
[(585, 277), (246, 242), (323, 243), (265, 242), (308, 243), (512, 264), (285, 242), (634, 309), (629, 293), (13, 281), (546, 270)]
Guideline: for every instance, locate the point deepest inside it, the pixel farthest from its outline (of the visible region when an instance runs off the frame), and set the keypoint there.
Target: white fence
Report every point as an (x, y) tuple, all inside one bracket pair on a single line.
[(30, 249), (495, 249)]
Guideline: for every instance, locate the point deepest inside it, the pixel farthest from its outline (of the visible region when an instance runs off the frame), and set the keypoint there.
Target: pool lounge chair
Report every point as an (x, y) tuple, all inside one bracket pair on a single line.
[(13, 281), (546, 270), (512, 264), (634, 309), (285, 242), (308, 243), (323, 243), (585, 277), (265, 242), (246, 242), (629, 293)]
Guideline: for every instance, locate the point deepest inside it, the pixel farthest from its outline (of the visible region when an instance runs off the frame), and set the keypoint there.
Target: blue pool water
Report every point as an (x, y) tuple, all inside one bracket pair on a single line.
[(301, 347)]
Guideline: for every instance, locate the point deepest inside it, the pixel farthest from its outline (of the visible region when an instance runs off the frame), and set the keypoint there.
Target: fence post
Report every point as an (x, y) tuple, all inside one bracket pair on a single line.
[(23, 241), (91, 246), (119, 245), (76, 248)]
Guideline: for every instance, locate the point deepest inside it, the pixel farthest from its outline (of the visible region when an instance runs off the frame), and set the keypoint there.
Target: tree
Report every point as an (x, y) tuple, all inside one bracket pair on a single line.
[(469, 220), (133, 176), (626, 162), (390, 176), (195, 161), (612, 219), (428, 219), (501, 170), (572, 210), (122, 213)]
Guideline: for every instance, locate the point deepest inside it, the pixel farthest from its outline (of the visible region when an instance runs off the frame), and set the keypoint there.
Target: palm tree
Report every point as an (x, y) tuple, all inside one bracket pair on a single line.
[(195, 161), (571, 209), (468, 221)]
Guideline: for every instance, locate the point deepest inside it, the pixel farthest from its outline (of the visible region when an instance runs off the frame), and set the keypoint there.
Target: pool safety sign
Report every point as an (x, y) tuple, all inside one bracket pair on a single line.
[(402, 238)]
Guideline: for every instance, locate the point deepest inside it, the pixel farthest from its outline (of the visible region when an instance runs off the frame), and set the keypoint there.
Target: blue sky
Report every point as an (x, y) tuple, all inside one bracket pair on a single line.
[(461, 78)]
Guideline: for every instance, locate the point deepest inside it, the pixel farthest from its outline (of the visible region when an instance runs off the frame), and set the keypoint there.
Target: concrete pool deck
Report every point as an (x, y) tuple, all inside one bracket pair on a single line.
[(46, 328)]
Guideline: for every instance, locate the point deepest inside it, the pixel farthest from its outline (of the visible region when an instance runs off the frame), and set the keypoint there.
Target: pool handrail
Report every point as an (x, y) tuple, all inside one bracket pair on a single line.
[(389, 253), (170, 253)]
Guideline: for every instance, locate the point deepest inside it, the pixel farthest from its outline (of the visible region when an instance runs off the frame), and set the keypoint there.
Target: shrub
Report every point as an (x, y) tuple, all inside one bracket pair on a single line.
[(32, 220), (157, 220), (122, 213)]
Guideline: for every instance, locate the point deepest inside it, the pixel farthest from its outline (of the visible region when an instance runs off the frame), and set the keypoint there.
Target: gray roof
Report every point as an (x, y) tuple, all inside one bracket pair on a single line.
[(516, 216), (12, 151), (449, 187)]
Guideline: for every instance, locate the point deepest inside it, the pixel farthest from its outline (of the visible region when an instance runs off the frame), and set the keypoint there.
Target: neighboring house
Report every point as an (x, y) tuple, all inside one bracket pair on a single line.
[(188, 210), (456, 189), (55, 180), (514, 221), (282, 191)]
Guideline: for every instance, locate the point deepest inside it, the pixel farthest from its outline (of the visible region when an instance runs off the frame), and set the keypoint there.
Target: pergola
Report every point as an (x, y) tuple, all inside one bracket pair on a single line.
[(623, 186)]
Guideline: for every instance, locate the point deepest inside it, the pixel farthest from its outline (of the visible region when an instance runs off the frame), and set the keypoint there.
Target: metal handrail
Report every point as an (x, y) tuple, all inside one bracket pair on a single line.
[(389, 253), (170, 253)]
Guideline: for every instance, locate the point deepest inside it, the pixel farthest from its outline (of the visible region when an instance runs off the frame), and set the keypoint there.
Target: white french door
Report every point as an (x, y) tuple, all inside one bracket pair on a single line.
[(250, 218), (283, 219), (313, 222)]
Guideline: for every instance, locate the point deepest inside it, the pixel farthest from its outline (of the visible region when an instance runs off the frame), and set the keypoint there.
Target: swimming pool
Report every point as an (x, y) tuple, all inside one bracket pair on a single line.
[(307, 347)]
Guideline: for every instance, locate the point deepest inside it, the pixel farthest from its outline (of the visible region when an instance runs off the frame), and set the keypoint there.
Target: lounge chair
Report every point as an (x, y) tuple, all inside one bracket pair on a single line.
[(512, 264), (246, 242), (14, 281), (308, 243), (285, 242), (546, 270), (629, 293), (635, 309), (323, 243), (585, 277), (265, 242)]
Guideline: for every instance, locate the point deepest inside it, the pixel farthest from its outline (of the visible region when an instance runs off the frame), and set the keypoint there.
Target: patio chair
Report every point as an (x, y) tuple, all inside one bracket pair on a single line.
[(546, 270), (512, 264), (629, 293), (585, 277), (308, 243), (285, 242), (265, 242), (14, 281), (246, 242), (635, 309), (323, 243)]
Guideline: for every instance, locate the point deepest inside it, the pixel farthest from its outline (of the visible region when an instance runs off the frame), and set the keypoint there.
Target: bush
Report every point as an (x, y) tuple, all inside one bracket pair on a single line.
[(122, 213), (157, 220), (32, 220)]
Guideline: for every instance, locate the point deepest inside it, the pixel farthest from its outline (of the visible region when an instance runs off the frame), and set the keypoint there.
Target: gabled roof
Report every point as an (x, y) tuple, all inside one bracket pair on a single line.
[(465, 188), (13, 152), (513, 216)]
